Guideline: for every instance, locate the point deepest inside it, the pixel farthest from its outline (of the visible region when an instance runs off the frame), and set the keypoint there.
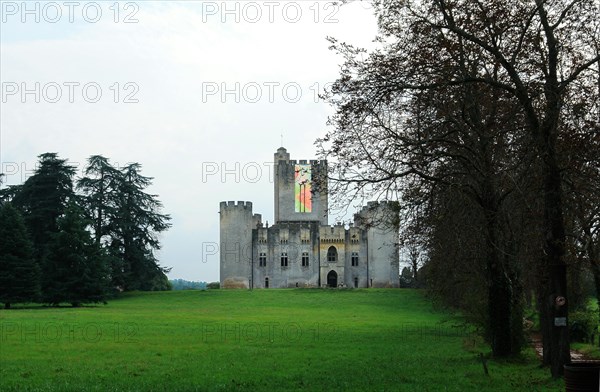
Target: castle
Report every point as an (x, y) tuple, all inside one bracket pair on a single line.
[(301, 249)]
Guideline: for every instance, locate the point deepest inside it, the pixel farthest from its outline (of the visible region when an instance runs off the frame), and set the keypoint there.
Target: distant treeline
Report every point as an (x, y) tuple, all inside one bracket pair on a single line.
[(68, 240), (181, 284)]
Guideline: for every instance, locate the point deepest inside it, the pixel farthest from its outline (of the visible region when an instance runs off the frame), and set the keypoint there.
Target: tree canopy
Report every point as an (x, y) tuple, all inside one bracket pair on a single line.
[(19, 273), (86, 244), (463, 112)]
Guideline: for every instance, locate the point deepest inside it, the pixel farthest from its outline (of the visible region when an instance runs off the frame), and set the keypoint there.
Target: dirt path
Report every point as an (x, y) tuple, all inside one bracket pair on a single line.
[(536, 341)]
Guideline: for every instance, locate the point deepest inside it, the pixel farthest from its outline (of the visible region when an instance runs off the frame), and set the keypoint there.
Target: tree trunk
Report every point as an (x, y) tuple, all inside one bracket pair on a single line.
[(415, 267), (554, 231), (500, 312), (544, 312), (596, 271), (499, 290), (517, 335), (7, 305)]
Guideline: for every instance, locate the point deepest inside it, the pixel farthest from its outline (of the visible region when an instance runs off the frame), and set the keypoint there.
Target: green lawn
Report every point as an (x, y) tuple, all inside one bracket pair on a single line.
[(376, 340)]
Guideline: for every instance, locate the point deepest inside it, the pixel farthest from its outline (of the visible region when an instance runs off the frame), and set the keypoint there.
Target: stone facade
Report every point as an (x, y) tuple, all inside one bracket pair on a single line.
[(301, 249)]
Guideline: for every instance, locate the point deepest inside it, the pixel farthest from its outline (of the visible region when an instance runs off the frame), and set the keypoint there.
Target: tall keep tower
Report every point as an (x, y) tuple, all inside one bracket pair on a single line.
[(236, 223), (300, 189), (379, 220)]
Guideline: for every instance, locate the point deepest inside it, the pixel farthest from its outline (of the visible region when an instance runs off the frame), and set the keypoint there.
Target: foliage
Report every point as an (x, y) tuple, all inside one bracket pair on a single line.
[(100, 194), (19, 273), (582, 325), (43, 198), (127, 223), (87, 245), (406, 278), (76, 270), (134, 232), (214, 285), (461, 112), (160, 282)]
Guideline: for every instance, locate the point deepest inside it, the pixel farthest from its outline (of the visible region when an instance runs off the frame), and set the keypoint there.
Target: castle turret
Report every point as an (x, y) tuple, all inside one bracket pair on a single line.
[(236, 224), (380, 220)]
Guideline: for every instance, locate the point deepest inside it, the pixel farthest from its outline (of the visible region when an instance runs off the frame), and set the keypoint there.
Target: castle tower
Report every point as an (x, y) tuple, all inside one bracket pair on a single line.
[(380, 220), (300, 189), (236, 224)]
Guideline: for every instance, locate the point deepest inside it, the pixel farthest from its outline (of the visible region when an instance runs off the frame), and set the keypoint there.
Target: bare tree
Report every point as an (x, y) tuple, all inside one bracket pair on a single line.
[(475, 84)]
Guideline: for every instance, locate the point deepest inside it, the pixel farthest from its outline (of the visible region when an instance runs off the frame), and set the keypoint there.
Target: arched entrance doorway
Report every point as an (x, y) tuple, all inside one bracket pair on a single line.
[(332, 279)]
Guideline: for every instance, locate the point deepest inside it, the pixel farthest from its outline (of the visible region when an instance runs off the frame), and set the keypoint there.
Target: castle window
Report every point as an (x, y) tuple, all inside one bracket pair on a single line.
[(332, 254), (305, 259), (262, 260), (355, 259), (266, 283), (355, 283), (284, 259)]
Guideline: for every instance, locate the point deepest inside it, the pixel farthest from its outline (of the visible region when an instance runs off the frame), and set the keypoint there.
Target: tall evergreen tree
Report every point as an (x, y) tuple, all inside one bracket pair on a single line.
[(19, 273), (124, 219), (134, 233), (99, 188), (43, 198), (8, 194), (75, 265), (140, 223)]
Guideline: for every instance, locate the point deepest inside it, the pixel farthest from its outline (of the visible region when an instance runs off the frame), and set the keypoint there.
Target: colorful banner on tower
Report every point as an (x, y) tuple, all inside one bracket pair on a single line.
[(302, 191)]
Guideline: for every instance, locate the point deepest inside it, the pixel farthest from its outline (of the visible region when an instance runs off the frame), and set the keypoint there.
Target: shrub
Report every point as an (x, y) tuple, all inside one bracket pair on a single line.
[(214, 285), (582, 325)]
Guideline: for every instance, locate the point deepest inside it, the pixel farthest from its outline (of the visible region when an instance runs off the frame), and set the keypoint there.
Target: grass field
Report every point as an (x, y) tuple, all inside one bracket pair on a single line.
[(375, 340)]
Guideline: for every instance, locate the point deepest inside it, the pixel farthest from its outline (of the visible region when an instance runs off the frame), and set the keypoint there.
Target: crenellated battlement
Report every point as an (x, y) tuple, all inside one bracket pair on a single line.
[(247, 205), (377, 205), (314, 162), (282, 157), (336, 232)]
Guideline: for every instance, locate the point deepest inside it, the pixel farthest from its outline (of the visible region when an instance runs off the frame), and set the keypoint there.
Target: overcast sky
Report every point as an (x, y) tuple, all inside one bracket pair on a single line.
[(197, 92)]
